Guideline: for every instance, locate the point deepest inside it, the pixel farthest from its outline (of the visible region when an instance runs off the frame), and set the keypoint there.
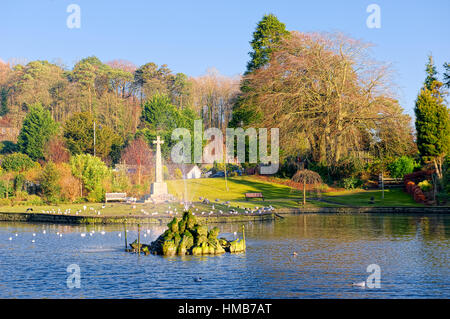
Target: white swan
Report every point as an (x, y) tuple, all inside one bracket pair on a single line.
[(359, 284)]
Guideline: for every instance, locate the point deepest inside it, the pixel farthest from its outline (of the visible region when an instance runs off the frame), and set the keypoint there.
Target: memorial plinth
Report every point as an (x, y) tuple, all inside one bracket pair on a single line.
[(158, 189)]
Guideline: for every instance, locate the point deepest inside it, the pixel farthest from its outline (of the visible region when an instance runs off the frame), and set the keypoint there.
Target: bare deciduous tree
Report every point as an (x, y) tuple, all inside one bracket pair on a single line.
[(138, 154), (325, 89), (214, 96)]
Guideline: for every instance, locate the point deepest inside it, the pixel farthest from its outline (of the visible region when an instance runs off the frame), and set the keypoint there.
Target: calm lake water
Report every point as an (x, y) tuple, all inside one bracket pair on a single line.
[(333, 251)]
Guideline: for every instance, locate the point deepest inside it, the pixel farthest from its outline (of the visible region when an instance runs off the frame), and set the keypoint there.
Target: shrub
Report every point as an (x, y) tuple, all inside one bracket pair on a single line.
[(6, 190), (289, 167), (231, 174), (178, 174), (348, 166), (351, 182), (90, 170), (19, 183), (442, 198), (322, 170), (402, 166), (120, 182), (69, 184), (17, 162), (425, 186), (415, 191), (49, 183), (33, 200), (218, 167)]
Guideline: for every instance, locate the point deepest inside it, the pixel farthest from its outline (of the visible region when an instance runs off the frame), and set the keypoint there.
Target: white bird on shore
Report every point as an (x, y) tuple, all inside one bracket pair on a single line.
[(83, 235), (120, 235), (102, 233), (44, 231)]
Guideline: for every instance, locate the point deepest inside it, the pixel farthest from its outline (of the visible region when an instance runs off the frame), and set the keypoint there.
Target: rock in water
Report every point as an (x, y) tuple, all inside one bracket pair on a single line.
[(186, 236)]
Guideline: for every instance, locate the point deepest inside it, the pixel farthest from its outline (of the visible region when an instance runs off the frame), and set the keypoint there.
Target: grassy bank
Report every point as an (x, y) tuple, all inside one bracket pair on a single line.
[(357, 198), (282, 196), (277, 195)]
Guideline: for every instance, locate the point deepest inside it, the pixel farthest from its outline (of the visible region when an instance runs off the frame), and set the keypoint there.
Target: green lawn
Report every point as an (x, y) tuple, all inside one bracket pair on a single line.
[(215, 188), (281, 196), (392, 197)]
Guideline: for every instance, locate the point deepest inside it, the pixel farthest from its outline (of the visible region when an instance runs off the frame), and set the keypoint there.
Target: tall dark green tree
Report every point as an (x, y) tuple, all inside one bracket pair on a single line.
[(38, 126), (269, 32), (432, 121)]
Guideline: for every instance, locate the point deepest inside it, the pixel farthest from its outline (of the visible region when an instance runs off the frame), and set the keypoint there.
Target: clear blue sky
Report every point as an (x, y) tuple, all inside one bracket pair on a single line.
[(191, 36)]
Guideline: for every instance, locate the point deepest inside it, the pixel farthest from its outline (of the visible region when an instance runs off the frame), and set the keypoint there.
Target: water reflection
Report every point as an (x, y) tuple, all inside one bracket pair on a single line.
[(332, 252)]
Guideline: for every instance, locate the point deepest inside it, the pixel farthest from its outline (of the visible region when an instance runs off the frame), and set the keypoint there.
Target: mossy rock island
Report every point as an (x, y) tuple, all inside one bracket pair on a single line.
[(185, 236)]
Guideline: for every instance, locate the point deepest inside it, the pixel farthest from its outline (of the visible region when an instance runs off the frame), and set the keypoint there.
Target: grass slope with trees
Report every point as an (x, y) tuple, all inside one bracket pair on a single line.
[(75, 134)]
